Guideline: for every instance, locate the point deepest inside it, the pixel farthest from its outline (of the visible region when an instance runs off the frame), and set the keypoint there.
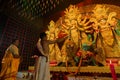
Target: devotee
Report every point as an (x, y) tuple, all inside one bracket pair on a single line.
[(42, 71), (10, 62)]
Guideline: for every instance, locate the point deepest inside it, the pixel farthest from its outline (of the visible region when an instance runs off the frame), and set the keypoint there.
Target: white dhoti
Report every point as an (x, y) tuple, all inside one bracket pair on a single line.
[(42, 71)]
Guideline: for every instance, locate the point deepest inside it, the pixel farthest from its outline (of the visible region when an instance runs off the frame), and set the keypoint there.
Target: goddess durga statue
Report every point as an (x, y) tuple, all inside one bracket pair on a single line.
[(99, 29)]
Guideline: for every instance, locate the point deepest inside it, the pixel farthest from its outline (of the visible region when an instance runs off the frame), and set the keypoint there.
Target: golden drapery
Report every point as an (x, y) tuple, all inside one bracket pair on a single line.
[(9, 67)]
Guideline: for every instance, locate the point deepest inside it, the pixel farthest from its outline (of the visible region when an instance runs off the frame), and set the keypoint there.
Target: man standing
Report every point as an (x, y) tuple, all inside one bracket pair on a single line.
[(42, 71)]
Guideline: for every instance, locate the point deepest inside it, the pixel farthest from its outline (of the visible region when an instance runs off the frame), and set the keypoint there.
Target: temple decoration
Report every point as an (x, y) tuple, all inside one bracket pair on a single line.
[(93, 36)]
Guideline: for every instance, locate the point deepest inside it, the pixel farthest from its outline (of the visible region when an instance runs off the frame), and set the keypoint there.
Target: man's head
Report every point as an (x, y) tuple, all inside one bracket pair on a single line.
[(43, 35)]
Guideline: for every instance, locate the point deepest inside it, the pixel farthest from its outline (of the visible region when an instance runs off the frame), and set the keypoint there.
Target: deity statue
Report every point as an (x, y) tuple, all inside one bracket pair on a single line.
[(55, 53), (99, 29), (105, 24), (85, 29), (100, 11), (71, 22)]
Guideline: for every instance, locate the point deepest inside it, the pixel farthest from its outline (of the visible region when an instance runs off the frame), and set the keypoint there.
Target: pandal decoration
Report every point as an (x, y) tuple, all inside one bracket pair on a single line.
[(96, 32)]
